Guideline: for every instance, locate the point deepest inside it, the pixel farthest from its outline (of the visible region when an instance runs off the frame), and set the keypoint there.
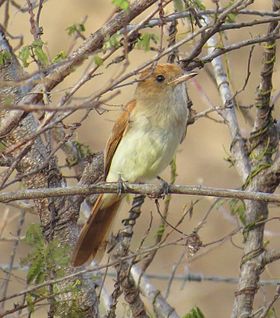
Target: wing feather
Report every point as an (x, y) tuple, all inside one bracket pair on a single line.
[(118, 131)]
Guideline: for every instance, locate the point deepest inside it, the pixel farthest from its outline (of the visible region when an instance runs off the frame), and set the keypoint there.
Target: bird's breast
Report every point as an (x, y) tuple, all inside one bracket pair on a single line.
[(148, 146)]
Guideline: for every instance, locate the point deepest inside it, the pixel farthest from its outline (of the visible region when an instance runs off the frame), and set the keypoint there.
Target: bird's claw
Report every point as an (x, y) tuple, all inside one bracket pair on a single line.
[(164, 190), (121, 186)]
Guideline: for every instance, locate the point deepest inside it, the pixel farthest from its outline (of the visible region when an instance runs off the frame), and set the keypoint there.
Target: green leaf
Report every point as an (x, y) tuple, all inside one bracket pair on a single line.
[(36, 270), (179, 5), (231, 17), (59, 57), (112, 41), (30, 303), (41, 56), (194, 313), (81, 27), (237, 207), (122, 4), (160, 230), (75, 28), (4, 57), (272, 313), (98, 60), (34, 235), (24, 55), (198, 4), (144, 42)]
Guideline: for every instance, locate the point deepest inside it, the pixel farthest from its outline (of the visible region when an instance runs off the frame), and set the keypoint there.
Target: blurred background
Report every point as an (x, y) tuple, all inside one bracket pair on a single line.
[(201, 159)]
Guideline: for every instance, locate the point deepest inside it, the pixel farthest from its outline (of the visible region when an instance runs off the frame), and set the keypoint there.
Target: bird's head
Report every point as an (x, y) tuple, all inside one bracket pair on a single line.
[(161, 80)]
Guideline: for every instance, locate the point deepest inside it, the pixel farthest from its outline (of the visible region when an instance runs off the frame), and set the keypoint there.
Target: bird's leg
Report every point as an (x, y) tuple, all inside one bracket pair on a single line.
[(165, 187), (121, 185)]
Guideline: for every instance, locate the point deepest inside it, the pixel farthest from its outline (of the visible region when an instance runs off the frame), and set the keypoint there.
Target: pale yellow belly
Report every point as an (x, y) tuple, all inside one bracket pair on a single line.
[(142, 155)]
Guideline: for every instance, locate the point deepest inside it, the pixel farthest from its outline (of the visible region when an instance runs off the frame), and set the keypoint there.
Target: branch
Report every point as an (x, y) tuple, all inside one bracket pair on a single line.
[(189, 277), (238, 147), (161, 307), (91, 44), (263, 142), (149, 189), (54, 213)]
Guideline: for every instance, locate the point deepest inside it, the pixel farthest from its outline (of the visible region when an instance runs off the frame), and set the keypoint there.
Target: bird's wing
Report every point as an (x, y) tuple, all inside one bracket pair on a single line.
[(119, 130), (92, 239)]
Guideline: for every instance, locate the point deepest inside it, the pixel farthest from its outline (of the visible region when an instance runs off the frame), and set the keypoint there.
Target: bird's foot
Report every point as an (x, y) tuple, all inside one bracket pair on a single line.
[(164, 191), (121, 186)]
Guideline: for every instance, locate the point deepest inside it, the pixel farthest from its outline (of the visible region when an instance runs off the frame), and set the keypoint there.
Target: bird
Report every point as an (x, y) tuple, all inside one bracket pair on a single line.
[(143, 142)]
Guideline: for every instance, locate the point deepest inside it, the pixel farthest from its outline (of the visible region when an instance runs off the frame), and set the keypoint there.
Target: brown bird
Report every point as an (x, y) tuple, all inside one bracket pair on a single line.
[(143, 142)]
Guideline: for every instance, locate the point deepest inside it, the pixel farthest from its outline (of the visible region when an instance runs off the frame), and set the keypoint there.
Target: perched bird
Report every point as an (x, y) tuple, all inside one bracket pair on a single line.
[(143, 142)]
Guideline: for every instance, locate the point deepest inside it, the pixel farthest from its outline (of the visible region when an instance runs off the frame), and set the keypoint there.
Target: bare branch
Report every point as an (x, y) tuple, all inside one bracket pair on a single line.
[(161, 307), (149, 189)]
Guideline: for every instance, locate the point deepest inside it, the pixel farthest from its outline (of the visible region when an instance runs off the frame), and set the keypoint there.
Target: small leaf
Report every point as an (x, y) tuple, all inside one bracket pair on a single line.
[(24, 55), (59, 57), (42, 57), (179, 5), (160, 230), (34, 235), (194, 313), (75, 28), (112, 41), (199, 5), (272, 313), (36, 269), (122, 4), (81, 27), (144, 42), (4, 57), (30, 303), (237, 207), (231, 17), (98, 60)]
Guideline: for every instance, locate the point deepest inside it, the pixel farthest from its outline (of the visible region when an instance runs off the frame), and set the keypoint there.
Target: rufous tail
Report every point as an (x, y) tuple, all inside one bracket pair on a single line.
[(94, 233)]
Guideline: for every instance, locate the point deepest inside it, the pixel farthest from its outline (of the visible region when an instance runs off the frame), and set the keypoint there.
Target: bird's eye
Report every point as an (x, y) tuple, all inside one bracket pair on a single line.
[(160, 78)]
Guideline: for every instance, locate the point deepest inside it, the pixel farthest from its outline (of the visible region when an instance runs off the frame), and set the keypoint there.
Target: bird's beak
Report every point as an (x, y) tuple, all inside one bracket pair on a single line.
[(182, 78)]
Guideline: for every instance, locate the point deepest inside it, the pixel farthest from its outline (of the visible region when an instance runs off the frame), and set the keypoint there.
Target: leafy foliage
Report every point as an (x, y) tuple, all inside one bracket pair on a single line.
[(122, 4), (82, 152), (237, 207), (37, 48), (144, 42), (113, 41), (231, 17), (179, 5), (75, 28), (44, 257), (70, 309), (97, 60), (24, 55), (34, 51), (197, 4), (194, 313), (272, 313), (59, 57), (4, 57)]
